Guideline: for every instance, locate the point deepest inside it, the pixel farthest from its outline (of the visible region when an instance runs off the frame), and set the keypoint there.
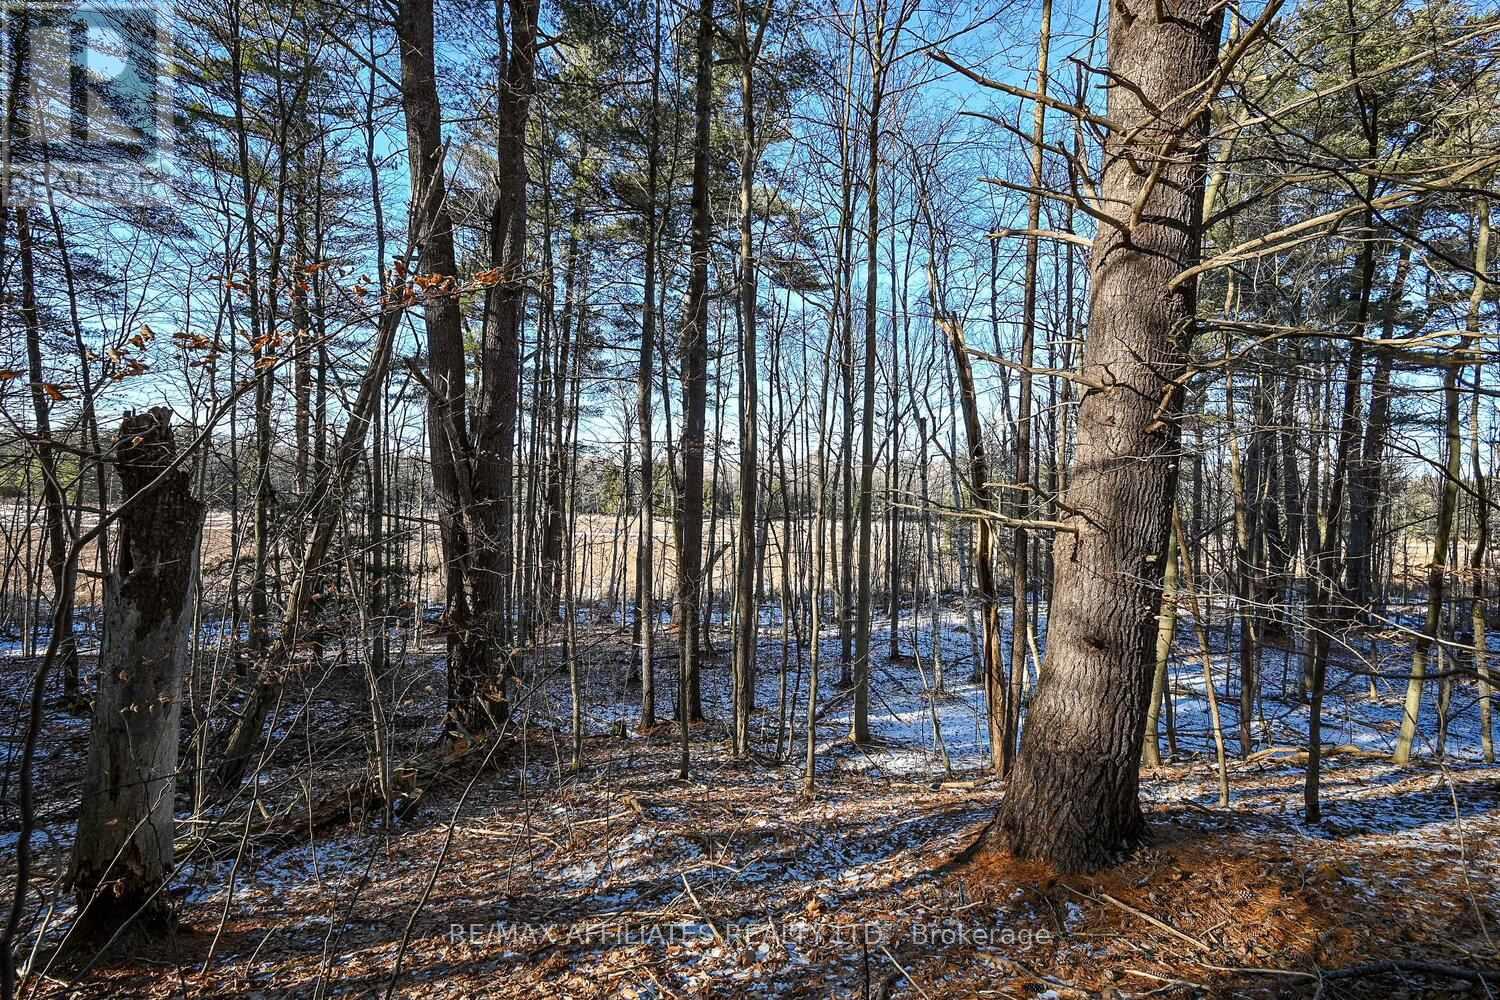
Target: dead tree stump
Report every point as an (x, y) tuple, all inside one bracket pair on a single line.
[(123, 854)]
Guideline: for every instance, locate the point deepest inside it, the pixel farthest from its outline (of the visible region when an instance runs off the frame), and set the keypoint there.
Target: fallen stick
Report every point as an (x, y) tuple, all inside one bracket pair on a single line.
[(899, 968), (1160, 925), (832, 703), (701, 912), (1286, 754)]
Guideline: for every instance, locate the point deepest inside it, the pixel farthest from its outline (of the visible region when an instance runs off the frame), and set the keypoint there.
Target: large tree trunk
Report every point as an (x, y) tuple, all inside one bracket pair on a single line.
[(472, 468), (1073, 799), (123, 853), (500, 360), (860, 728), (645, 611), (749, 571), (845, 547), (747, 610), (447, 411), (695, 394)]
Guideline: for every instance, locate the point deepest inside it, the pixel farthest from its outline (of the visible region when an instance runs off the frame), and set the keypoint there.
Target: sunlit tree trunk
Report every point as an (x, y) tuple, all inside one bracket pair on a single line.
[(1437, 576), (1073, 798), (1166, 629)]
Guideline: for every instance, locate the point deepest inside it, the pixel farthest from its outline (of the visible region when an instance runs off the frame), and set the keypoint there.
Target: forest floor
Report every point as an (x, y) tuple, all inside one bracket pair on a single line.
[(508, 873)]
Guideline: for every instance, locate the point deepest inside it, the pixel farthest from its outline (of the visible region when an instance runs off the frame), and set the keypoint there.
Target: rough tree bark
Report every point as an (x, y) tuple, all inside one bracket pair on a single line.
[(123, 853), (447, 410), (472, 467), (1073, 799), (695, 394), (500, 352)]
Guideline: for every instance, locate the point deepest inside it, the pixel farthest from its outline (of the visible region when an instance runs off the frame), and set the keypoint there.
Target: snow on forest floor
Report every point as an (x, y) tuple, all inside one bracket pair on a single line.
[(514, 876)]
